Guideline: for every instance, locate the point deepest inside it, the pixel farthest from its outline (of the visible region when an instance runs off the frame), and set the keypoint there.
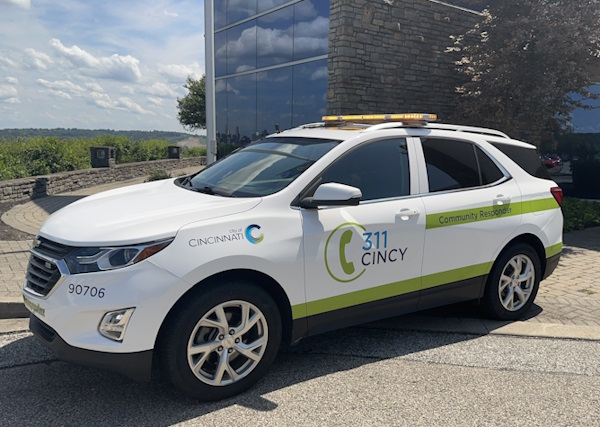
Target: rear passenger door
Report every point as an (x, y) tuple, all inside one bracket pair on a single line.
[(472, 207)]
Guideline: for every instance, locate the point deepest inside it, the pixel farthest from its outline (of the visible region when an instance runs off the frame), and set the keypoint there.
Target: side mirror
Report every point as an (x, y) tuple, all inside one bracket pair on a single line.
[(332, 194)]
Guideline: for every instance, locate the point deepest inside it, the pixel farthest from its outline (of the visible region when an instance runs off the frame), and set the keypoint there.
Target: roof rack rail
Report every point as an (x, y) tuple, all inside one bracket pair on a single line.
[(441, 126)]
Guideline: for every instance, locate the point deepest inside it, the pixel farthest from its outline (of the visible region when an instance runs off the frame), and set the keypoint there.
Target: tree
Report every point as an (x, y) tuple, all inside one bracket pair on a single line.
[(524, 62), (192, 107)]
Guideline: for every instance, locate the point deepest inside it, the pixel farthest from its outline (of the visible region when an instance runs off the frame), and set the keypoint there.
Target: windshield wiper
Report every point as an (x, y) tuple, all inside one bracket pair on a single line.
[(207, 189)]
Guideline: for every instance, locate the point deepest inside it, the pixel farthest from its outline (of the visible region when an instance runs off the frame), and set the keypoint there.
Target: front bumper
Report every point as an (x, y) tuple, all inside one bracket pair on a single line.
[(137, 366)]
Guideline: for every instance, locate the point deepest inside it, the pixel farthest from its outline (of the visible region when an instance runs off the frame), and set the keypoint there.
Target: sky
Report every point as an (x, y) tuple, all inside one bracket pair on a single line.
[(110, 64)]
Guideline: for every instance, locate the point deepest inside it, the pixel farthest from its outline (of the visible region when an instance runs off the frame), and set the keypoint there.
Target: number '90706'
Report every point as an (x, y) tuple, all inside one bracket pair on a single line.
[(90, 291)]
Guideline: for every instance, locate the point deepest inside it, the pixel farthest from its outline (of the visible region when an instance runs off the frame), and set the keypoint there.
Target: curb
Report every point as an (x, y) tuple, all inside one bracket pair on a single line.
[(12, 308), (15, 316)]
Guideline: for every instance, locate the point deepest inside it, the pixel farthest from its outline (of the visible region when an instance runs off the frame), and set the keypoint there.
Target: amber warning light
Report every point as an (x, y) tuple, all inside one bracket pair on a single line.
[(381, 118)]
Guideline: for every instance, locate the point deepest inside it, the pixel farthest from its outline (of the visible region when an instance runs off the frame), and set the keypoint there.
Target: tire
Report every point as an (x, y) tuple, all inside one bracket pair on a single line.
[(237, 324), (513, 283)]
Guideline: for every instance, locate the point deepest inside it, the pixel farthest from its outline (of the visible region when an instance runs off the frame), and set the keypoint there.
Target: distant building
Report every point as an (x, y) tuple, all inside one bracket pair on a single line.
[(282, 62)]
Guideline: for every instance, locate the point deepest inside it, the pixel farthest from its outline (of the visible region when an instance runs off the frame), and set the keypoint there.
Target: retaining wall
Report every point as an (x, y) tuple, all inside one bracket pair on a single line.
[(16, 190)]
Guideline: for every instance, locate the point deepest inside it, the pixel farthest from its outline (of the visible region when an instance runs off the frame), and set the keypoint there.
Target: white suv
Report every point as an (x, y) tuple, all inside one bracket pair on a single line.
[(320, 227)]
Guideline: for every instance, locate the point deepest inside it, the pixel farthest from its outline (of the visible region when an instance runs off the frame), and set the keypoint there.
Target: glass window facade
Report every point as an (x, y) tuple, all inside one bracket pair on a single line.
[(270, 66)]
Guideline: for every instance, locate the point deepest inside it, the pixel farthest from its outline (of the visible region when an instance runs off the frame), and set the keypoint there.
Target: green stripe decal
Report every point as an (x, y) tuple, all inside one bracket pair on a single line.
[(484, 213), (553, 250), (390, 290)]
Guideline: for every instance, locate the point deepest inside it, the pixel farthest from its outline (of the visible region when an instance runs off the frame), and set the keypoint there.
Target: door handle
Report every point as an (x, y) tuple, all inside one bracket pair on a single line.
[(501, 199), (406, 213)]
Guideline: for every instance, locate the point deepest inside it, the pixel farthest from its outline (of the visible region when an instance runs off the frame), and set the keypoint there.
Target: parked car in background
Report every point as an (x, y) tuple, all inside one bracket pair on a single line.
[(553, 162)]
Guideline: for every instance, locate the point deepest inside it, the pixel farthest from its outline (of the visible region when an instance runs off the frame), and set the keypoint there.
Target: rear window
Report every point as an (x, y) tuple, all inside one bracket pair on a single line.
[(527, 158)]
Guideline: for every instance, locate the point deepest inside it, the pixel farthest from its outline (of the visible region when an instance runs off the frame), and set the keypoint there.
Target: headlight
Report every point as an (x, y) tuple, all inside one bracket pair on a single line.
[(88, 260)]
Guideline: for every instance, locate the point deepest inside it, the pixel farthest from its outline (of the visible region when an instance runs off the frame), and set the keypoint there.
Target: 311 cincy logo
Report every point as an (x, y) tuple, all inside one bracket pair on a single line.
[(351, 250)]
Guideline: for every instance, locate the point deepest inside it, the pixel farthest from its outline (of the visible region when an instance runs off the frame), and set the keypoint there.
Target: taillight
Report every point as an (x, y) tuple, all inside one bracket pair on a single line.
[(558, 194)]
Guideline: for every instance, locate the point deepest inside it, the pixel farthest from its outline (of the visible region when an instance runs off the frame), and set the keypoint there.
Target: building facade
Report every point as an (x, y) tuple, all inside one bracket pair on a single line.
[(285, 63)]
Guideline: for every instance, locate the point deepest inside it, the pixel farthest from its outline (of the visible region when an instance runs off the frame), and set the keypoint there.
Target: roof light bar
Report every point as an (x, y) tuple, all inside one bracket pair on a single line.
[(381, 118)]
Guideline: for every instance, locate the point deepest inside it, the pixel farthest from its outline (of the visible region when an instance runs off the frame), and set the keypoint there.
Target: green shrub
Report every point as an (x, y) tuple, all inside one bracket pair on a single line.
[(20, 158), (579, 214), (193, 151), (586, 177), (158, 174)]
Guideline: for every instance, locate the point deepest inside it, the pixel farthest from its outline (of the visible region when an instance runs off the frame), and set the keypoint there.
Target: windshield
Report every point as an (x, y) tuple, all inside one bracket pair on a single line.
[(261, 168)]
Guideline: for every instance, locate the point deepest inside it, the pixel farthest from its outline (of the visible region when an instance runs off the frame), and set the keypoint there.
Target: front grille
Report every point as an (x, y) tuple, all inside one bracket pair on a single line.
[(42, 272), (52, 249), (42, 275)]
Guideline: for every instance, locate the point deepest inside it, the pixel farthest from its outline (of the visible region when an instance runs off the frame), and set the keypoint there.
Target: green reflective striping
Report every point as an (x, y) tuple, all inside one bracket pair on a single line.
[(484, 213), (542, 205), (553, 250), (362, 296), (450, 276), (298, 311), (390, 290)]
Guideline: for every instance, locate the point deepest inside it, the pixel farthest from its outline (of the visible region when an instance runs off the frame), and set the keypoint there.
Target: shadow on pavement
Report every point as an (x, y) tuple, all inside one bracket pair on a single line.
[(35, 388), (51, 204)]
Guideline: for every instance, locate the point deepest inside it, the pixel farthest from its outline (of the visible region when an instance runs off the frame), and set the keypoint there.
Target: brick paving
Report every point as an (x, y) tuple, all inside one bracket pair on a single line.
[(570, 296)]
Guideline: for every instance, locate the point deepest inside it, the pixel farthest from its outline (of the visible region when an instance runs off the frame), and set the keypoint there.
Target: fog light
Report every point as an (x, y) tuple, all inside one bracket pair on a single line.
[(114, 324)]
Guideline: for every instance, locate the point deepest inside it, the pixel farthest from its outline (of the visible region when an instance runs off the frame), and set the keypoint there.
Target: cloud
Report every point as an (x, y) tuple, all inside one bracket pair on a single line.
[(53, 92), (128, 89), (7, 61), (178, 73), (23, 4), (159, 89), (12, 80), (319, 73), (8, 94), (36, 60), (102, 100), (94, 86), (115, 67), (130, 105), (170, 14), (308, 37), (62, 85), (155, 101)]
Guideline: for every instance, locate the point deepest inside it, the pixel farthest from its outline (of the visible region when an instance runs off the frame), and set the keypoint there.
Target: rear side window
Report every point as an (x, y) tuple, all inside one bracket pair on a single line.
[(527, 158), (453, 165)]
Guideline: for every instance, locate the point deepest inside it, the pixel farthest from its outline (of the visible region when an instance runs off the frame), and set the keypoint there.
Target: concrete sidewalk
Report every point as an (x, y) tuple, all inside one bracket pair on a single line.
[(568, 303)]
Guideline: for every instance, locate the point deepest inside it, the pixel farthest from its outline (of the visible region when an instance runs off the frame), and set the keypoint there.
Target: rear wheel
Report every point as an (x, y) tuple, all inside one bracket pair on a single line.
[(513, 283), (221, 342)]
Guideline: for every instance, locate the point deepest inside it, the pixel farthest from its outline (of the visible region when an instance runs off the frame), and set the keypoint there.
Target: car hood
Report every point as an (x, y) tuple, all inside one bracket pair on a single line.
[(137, 214)]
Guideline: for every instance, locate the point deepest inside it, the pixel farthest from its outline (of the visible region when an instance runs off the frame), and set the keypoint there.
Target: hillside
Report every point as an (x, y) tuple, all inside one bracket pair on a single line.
[(134, 135)]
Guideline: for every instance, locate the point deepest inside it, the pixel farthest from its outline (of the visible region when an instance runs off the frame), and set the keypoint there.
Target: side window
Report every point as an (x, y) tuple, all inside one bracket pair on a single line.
[(489, 171), (379, 169), (450, 164), (453, 164)]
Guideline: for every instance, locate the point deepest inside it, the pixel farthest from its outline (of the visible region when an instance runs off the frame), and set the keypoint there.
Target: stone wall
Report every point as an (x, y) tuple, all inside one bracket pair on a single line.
[(388, 56), (16, 190)]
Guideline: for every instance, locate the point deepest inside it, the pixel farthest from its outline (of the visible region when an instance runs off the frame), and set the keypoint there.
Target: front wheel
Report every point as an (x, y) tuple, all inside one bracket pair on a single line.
[(221, 342), (513, 283)]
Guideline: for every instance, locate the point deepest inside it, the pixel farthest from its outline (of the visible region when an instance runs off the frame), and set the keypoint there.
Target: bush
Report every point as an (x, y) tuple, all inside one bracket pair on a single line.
[(158, 174), (586, 177), (20, 158), (193, 151), (579, 214)]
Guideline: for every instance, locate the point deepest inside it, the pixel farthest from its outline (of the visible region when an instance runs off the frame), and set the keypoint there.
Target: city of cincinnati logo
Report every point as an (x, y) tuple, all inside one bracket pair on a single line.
[(350, 250), (249, 234)]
